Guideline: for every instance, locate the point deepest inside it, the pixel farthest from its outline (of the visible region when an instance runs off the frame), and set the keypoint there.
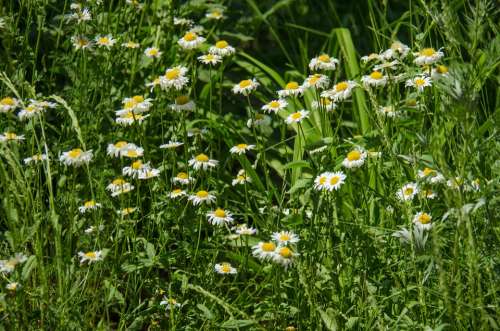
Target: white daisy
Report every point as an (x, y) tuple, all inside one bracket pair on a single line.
[(370, 57), (30, 111), (244, 230), (202, 161), (8, 104), (329, 181), (219, 217), (246, 86), (375, 79), (171, 144), (182, 178), (35, 158), (275, 106), (419, 82), (191, 41), (211, 59), (132, 151), (323, 62), (215, 14), (431, 175), (440, 71), (325, 103), (90, 257), (119, 186), (117, 148), (428, 56), (201, 197), (170, 303), (222, 48), (152, 52), (81, 42), (407, 192), (88, 206), (10, 136), (130, 44), (291, 89), (241, 178), (284, 256), (105, 41), (182, 103), (76, 157), (174, 78), (176, 193), (297, 117), (423, 220), (354, 159), (340, 91), (317, 81), (241, 149), (283, 238), (397, 49), (264, 250), (388, 111), (135, 169), (149, 173), (225, 269)]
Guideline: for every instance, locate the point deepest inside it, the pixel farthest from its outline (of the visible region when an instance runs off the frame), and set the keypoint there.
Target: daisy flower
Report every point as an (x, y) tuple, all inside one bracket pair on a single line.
[(174, 78), (291, 89), (241, 178), (407, 192), (211, 59), (131, 44), (219, 217), (35, 158), (76, 157), (388, 111), (154, 83), (176, 193), (264, 250), (182, 103), (119, 186), (135, 3), (246, 86), (397, 49), (170, 303), (29, 112), (284, 238), (136, 104), (423, 220), (297, 117), (201, 197), (88, 206), (440, 71), (428, 56), (244, 230), (222, 48), (329, 181), (135, 169), (354, 159), (225, 269), (191, 41), (325, 103), (81, 42), (431, 175), (90, 257), (370, 57), (8, 104), (275, 106), (13, 286), (317, 81), (105, 41), (149, 173), (241, 149), (323, 62), (419, 82), (153, 52), (171, 144), (130, 118), (10, 136), (117, 148), (340, 91), (182, 178), (284, 256), (215, 14), (132, 151), (202, 161), (375, 79)]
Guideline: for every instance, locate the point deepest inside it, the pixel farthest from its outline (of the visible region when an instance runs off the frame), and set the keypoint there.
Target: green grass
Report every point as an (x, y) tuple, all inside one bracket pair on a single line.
[(351, 271)]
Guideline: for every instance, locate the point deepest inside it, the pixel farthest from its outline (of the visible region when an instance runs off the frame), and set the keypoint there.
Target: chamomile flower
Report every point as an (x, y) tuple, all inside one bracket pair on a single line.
[(241, 178), (397, 49), (202, 161), (172, 144), (375, 79), (117, 148), (170, 303), (335, 180), (222, 48), (354, 159), (388, 111), (284, 256), (244, 230), (176, 193), (340, 91), (428, 56), (191, 41), (152, 52), (201, 197), (407, 192), (292, 89), (246, 86), (89, 206), (131, 44), (30, 111), (423, 220), (35, 158), (174, 78), (323, 62), (149, 173), (275, 106), (215, 14), (241, 149), (136, 104), (419, 82), (264, 250), (90, 257), (431, 175), (370, 57), (324, 103), (283, 238), (211, 59), (297, 117), (321, 181), (182, 178), (317, 81), (128, 118), (135, 169), (119, 186), (10, 136), (225, 269), (219, 217), (8, 104), (132, 151), (81, 42), (13, 286), (76, 157), (105, 41), (440, 71)]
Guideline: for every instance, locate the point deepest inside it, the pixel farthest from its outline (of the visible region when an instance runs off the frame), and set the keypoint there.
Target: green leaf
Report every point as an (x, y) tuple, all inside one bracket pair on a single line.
[(235, 324)]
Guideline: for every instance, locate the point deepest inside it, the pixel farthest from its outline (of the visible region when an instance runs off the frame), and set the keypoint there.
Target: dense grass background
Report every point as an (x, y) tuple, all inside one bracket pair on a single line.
[(352, 273)]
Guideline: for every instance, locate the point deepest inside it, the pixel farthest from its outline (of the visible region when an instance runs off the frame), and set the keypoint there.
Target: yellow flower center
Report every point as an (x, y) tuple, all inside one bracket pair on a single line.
[(427, 52), (245, 83), (284, 237), (202, 158), (182, 175), (242, 146), (314, 79), (354, 155), (324, 58), (424, 218), (376, 75), (268, 247), (173, 73), (274, 104), (177, 191), (429, 171), (91, 255), (137, 165), (202, 194), (322, 180), (128, 210), (441, 69), (119, 182), (225, 268), (334, 180), (89, 204), (296, 116), (190, 36), (10, 135), (292, 86), (419, 81), (221, 44), (138, 98), (220, 213), (240, 177), (121, 144), (8, 101), (342, 86), (216, 13), (104, 40), (132, 153), (182, 100), (408, 191), (153, 52), (74, 153), (285, 252), (209, 57)]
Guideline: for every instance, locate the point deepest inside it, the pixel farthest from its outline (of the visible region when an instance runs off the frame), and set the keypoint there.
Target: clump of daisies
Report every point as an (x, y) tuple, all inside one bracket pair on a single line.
[(281, 249)]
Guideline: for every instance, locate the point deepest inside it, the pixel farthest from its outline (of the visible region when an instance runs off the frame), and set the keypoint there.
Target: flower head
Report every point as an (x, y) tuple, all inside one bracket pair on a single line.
[(423, 220), (76, 157), (202, 161), (407, 192), (246, 86), (201, 197), (241, 149), (323, 62), (222, 48), (219, 217), (175, 78), (90, 257), (340, 91), (191, 41), (428, 56), (355, 158), (152, 52), (297, 117), (225, 269), (419, 82), (275, 106), (291, 89)]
